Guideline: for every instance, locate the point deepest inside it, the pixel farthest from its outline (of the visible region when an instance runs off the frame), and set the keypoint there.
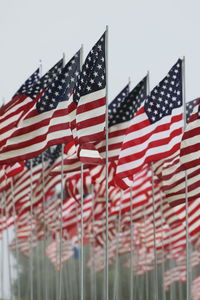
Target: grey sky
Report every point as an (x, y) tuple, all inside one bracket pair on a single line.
[(143, 35)]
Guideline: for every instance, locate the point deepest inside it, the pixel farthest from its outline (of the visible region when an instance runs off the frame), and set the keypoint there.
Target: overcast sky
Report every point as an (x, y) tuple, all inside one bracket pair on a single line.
[(143, 35)]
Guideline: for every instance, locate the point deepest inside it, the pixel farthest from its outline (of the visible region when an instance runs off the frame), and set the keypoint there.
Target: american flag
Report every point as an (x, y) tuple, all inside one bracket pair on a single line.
[(190, 146), (196, 288), (89, 102), (45, 184), (23, 181), (155, 131), (11, 112), (173, 181), (120, 112), (46, 123)]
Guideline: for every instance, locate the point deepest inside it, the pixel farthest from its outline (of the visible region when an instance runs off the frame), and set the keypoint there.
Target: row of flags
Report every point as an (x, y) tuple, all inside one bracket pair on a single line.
[(68, 105), (148, 144)]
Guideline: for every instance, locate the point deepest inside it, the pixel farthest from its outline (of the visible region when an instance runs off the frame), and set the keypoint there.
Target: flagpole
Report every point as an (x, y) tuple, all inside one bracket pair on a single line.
[(16, 241), (9, 263), (132, 246), (188, 288), (116, 285), (82, 233), (61, 231), (107, 213), (45, 232), (2, 253), (61, 208), (131, 230), (93, 247), (43, 201), (38, 272), (31, 236), (82, 223), (154, 226), (163, 254), (146, 274)]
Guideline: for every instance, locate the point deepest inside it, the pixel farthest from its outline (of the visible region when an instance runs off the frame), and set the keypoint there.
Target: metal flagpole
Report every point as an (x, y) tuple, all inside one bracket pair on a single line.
[(82, 234), (61, 231), (2, 252), (16, 241), (31, 236), (61, 206), (171, 266), (163, 254), (188, 279), (154, 237), (132, 245), (9, 263), (154, 227), (107, 213), (45, 233), (44, 225), (82, 223), (116, 285), (93, 250), (147, 273), (91, 271), (131, 231), (38, 273)]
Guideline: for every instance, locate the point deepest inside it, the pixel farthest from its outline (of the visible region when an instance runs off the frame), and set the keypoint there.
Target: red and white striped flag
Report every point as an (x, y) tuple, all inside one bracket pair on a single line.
[(155, 132), (190, 145), (46, 123), (89, 103), (120, 113)]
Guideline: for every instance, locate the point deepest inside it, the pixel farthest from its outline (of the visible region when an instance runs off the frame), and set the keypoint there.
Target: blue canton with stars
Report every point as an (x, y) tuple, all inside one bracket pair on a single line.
[(93, 75), (62, 86), (50, 155), (190, 107), (28, 83), (42, 83), (166, 96), (125, 105)]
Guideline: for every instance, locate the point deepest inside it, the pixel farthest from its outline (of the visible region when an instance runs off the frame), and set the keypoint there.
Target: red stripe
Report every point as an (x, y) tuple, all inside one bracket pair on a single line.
[(90, 105), (91, 122)]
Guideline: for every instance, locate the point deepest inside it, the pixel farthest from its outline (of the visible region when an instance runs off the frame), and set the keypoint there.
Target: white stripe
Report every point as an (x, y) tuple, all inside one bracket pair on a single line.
[(151, 151), (89, 153)]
